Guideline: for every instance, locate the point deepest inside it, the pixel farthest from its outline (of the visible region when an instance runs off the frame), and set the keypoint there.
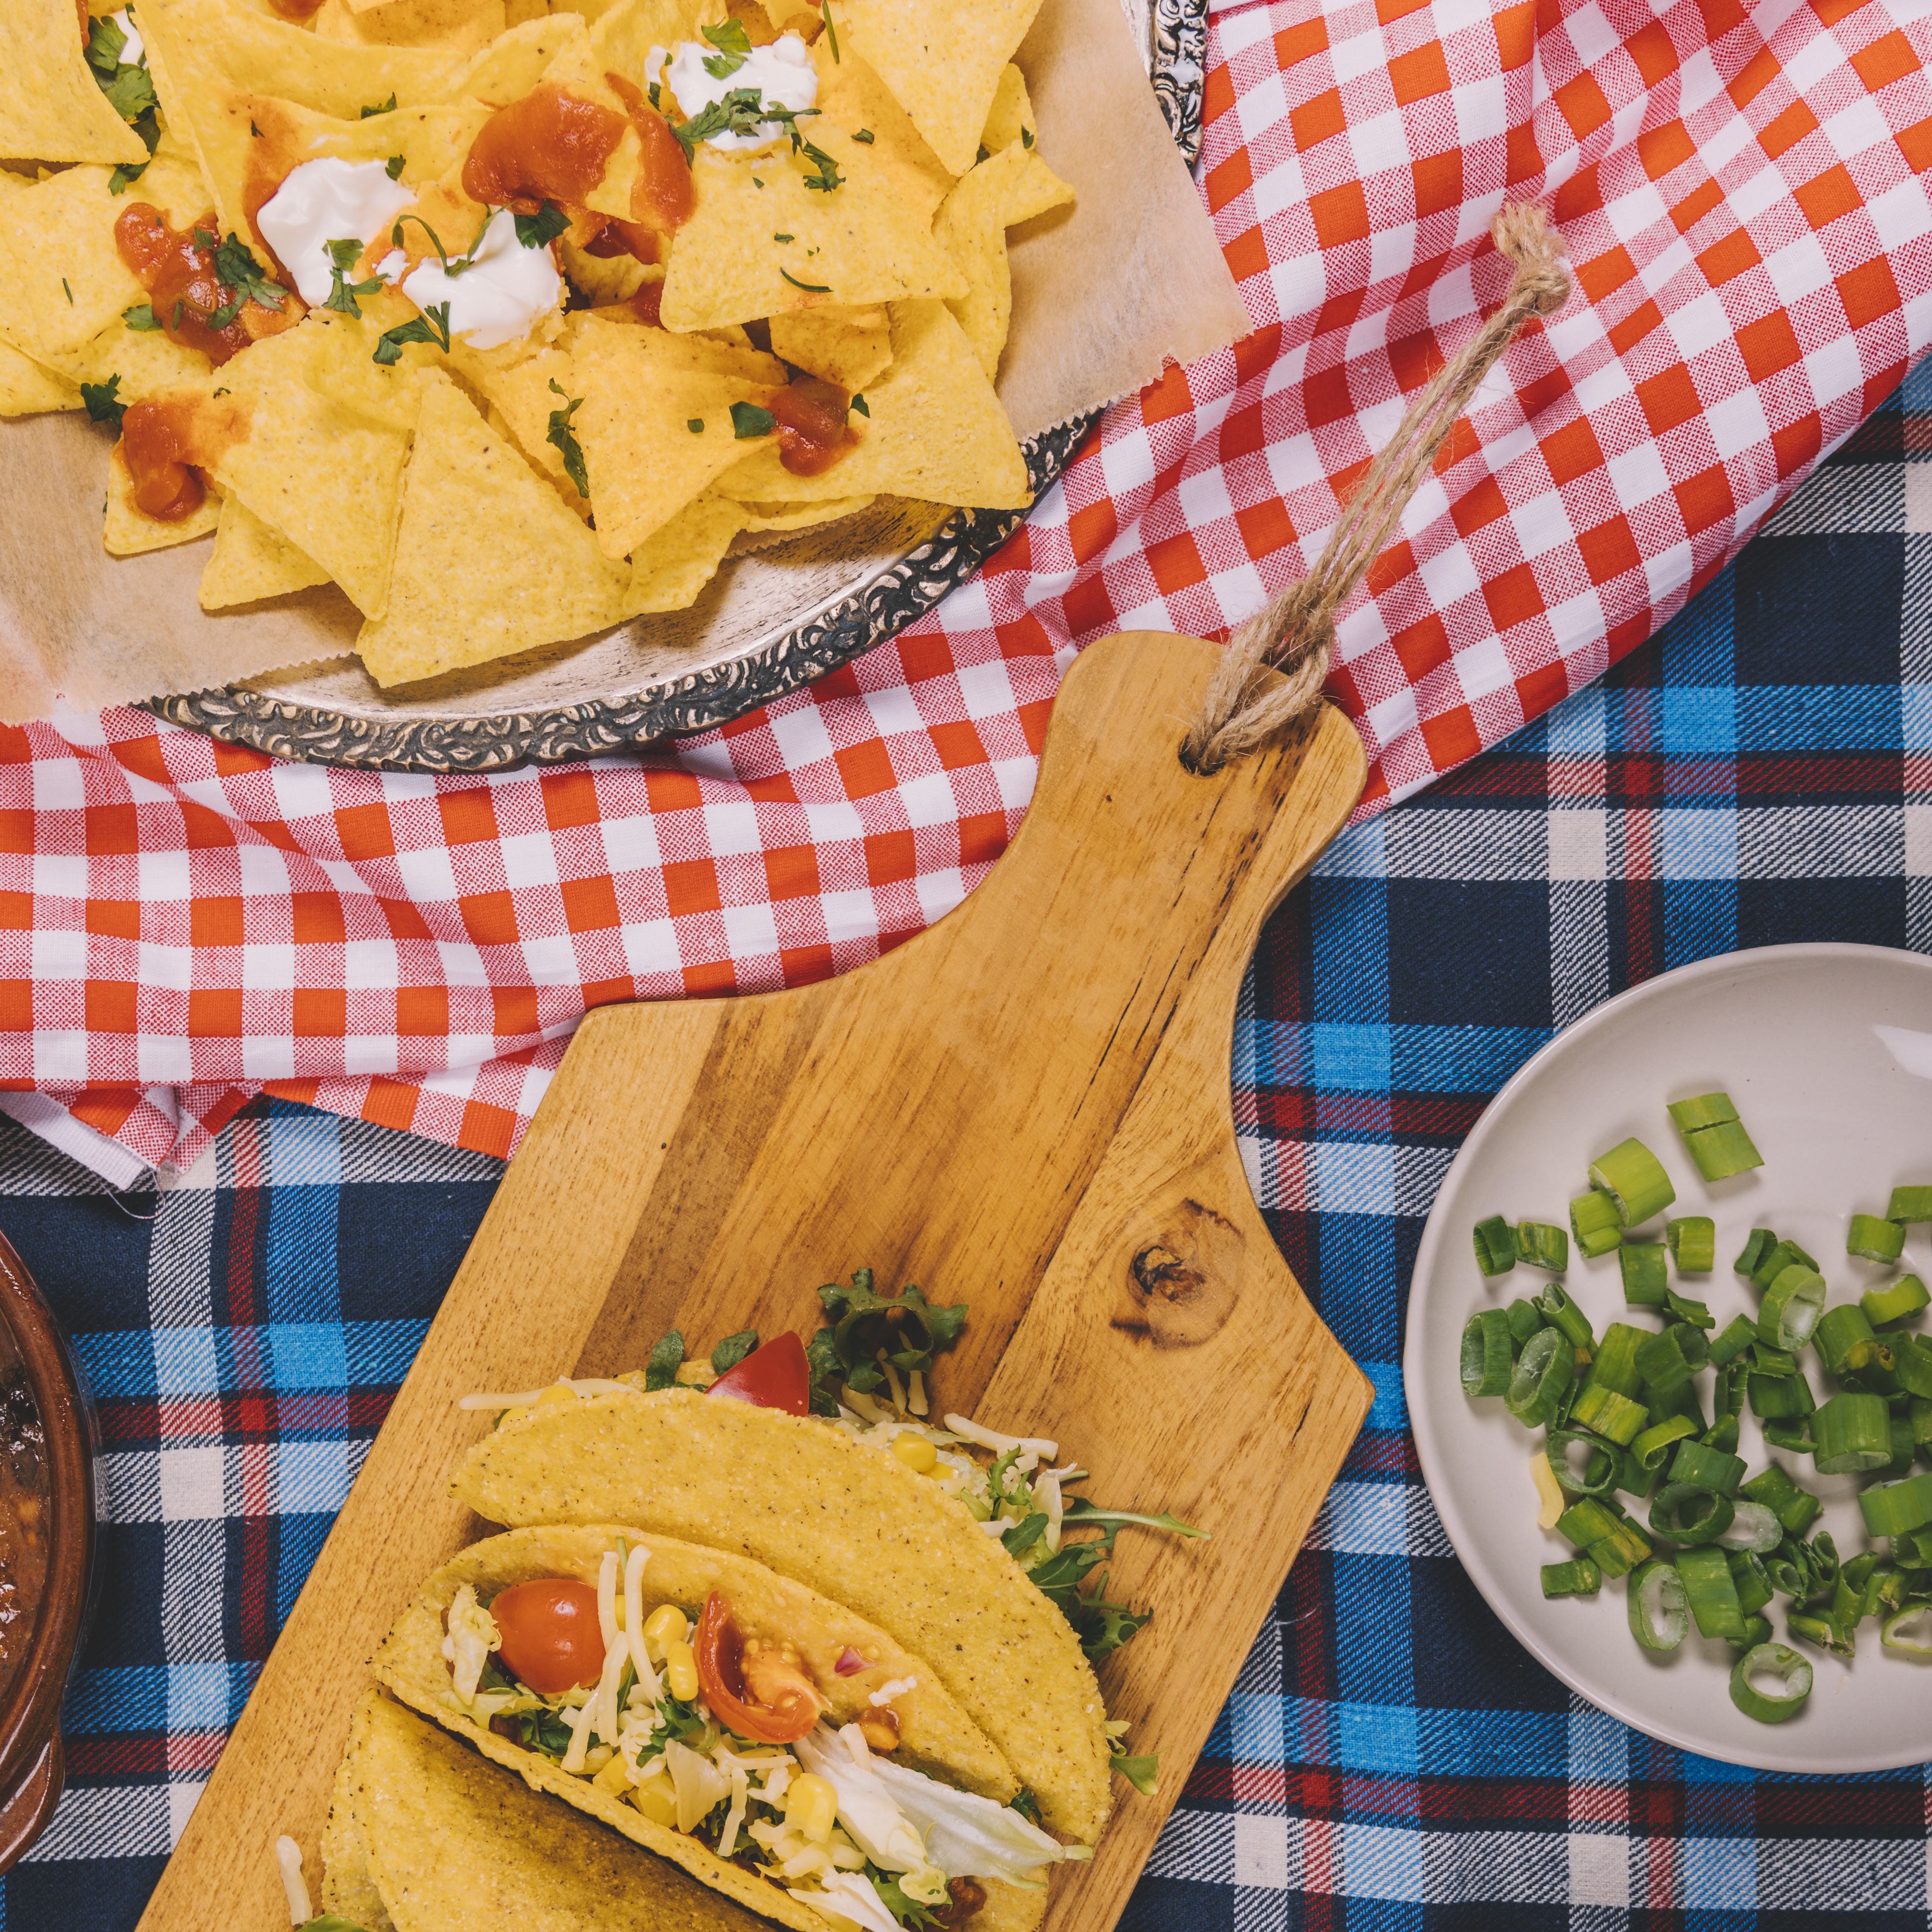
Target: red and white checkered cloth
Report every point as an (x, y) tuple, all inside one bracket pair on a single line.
[(1743, 190)]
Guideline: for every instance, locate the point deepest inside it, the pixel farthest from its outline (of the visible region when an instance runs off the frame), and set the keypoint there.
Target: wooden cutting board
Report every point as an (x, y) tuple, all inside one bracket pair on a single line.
[(1025, 1107)]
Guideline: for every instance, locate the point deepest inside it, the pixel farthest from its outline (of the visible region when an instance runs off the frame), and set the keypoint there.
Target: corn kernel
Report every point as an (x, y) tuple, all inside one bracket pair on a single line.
[(665, 1625), (680, 1670), (656, 1797), (557, 1392), (810, 1808), (613, 1778), (916, 1453)]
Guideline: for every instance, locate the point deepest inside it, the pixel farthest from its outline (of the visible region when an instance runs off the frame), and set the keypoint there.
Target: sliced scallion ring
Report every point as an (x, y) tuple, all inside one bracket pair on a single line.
[(1893, 1303), (1598, 1475), (1646, 1274), (1714, 1597), (1651, 1449), (1851, 1433), (1593, 1221), (1633, 1178), (1909, 1203), (1556, 1308), (1660, 1613), (1761, 1243), (1896, 1509), (1541, 1381), (1844, 1338), (1752, 1527), (1771, 1682), (1692, 1241), (1579, 1577), (1791, 1306), (1908, 1630), (1488, 1360), (1617, 1418), (1797, 1509), (1496, 1246), (1708, 1468), (1874, 1240), (1683, 1514), (1542, 1244)]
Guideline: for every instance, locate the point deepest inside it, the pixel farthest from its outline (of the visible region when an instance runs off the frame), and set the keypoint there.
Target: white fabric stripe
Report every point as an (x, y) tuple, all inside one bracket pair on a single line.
[(54, 1124), (1867, 498)]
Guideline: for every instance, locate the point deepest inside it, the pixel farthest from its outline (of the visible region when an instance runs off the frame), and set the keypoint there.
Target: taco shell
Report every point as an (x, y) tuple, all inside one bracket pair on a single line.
[(847, 1520)]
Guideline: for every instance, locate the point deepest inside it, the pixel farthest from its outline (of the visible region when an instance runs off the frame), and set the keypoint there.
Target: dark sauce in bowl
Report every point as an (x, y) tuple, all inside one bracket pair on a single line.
[(26, 1515)]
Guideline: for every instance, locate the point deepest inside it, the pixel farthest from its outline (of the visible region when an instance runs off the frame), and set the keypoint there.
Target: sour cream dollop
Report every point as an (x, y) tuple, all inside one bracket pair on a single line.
[(781, 72), (135, 53), (326, 201), (495, 299)]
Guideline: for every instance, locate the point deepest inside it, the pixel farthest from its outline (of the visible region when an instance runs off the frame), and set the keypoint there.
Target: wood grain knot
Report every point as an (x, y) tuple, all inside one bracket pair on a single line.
[(1182, 1284)]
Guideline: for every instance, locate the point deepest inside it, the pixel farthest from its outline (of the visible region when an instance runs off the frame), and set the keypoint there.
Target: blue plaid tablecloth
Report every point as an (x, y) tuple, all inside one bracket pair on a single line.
[(1390, 1758)]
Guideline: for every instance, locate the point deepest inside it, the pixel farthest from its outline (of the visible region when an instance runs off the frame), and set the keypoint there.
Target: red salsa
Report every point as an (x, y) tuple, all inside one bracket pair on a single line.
[(191, 303), (157, 440), (548, 146), (813, 431)]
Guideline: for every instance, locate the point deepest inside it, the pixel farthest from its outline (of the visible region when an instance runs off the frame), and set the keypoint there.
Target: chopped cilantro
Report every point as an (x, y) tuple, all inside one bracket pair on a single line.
[(831, 31), (141, 318), (105, 42), (696, 425), (393, 166), (784, 237), (181, 303), (101, 406), (756, 182), (827, 176), (864, 408), (130, 93), (387, 107), (237, 267), (733, 45), (748, 420), (342, 292), (540, 229), (986, 154), (1026, 136), (563, 440), (431, 326), (254, 131), (742, 111), (865, 136), (70, 292), (810, 288), (130, 89)]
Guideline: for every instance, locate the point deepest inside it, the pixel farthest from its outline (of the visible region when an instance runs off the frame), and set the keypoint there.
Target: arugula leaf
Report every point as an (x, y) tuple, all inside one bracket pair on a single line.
[(101, 406), (342, 292), (1024, 1533), (910, 1330), (1080, 1511), (734, 48), (432, 325), (810, 288), (827, 1372), (543, 1731), (387, 107), (238, 267), (1025, 1803), (393, 166), (540, 229), (748, 420), (141, 318), (891, 1895), (563, 440), (666, 1358), (1140, 1772), (677, 1722), (733, 1350)]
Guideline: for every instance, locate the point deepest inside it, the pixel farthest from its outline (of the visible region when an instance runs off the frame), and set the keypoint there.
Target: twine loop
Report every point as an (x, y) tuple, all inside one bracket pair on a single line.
[(1293, 634)]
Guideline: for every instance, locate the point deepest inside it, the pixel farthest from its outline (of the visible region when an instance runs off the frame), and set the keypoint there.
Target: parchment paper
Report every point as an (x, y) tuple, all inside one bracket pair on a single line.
[(1104, 293)]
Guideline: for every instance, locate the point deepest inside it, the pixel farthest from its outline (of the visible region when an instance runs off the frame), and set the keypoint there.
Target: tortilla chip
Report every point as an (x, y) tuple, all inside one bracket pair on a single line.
[(50, 106), (29, 389), (327, 433), (1014, 186), (863, 242), (460, 1844), (510, 66), (1011, 117), (605, 278), (937, 431), (853, 98), (670, 570), (462, 26), (761, 517), (55, 301), (642, 389), (942, 63), (522, 394), (849, 346), (128, 531), (251, 561), (888, 1544)]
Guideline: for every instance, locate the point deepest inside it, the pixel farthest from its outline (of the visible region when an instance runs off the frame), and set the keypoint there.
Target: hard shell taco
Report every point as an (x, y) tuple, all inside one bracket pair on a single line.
[(774, 1745)]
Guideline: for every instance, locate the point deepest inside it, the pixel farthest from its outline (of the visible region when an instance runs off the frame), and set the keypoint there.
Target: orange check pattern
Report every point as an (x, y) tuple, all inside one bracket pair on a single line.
[(1744, 191)]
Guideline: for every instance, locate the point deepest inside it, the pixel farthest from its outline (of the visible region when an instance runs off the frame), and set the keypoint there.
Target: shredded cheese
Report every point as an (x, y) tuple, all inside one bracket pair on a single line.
[(607, 1598), (580, 1735), (634, 1623), (288, 1860), (991, 1438), (886, 1692), (588, 1385), (915, 1393)]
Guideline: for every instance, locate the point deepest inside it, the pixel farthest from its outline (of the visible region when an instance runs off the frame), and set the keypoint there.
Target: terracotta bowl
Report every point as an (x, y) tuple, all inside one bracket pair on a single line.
[(32, 1769)]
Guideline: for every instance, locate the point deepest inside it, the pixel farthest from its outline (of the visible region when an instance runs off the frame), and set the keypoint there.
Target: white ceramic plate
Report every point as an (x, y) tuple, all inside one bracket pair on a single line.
[(1827, 1052)]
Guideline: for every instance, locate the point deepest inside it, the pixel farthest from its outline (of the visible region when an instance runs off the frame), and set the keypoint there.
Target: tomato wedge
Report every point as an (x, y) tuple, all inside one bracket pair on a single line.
[(773, 1377), (721, 1675), (551, 1637)]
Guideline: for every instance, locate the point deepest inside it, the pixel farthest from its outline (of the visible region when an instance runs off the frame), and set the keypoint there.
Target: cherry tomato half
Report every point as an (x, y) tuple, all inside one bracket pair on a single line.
[(551, 1638), (720, 1650), (773, 1377)]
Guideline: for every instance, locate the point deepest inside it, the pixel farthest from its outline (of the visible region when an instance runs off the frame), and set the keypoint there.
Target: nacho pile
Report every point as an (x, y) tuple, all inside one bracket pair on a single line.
[(507, 318)]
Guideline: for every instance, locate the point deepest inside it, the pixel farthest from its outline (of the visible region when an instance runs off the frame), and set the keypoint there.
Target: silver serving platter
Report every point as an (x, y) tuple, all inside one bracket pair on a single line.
[(778, 615)]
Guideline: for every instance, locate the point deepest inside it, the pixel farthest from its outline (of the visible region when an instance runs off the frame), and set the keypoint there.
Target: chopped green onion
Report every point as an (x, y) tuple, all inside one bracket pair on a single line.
[(1823, 1554), (1795, 1436), (1713, 1596), (1906, 1296), (1892, 1588), (1634, 1179), (1645, 1273), (1652, 1447), (1562, 1314), (1706, 1110), (1579, 1577), (1844, 1338), (1795, 1509), (1707, 1468), (1722, 1434), (1496, 1246), (1909, 1205), (1737, 1335), (1780, 1398), (1896, 1509), (1524, 1320), (1587, 1521), (1748, 1577), (1761, 1241), (1687, 1310), (1543, 1373), (1908, 1630), (1692, 1241), (1904, 1445), (1632, 1477), (1663, 1361), (1618, 1554), (1790, 1575), (1593, 1221), (1544, 1245), (1680, 1401), (1852, 1433), (1791, 1307), (1760, 1667), (1615, 1418), (1873, 1239), (1821, 1631), (1752, 1530), (1660, 1615), (1775, 1260), (1757, 1630), (1601, 1468), (1773, 1361), (1488, 1360), (1912, 1366), (1684, 1513), (1722, 1151)]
